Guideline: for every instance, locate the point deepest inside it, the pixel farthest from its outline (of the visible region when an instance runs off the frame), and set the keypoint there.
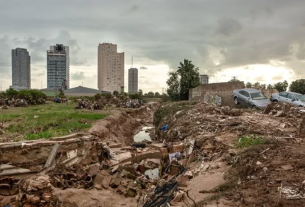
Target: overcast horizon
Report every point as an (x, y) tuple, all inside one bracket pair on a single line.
[(251, 40)]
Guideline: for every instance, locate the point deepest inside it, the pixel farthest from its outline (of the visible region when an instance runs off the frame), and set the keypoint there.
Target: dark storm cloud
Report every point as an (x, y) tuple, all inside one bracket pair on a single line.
[(228, 27), (214, 34)]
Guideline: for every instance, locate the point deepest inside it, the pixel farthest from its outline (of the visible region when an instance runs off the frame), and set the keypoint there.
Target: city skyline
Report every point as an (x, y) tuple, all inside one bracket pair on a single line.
[(260, 41)]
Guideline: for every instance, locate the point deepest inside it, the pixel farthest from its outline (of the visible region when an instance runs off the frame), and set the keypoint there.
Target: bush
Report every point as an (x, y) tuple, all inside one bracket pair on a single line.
[(32, 97)]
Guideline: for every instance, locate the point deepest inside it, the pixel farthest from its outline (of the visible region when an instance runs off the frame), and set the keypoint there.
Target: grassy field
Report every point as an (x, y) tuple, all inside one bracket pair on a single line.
[(45, 121)]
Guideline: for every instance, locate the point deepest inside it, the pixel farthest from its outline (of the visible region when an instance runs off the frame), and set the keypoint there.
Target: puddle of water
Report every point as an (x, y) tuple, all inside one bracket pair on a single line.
[(142, 135)]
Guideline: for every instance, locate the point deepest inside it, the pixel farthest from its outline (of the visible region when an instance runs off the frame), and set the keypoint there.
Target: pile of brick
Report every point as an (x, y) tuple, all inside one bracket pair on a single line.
[(36, 191), (279, 109)]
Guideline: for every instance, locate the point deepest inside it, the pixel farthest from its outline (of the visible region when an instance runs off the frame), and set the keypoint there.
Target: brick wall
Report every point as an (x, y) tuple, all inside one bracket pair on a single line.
[(224, 90)]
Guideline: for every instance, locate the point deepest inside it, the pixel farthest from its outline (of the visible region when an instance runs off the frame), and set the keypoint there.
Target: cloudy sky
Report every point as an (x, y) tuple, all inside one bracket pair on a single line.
[(253, 40)]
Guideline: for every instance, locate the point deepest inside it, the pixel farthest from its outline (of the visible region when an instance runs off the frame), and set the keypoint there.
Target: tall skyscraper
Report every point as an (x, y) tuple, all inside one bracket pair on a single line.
[(133, 80), (58, 66), (21, 69), (110, 70), (204, 79)]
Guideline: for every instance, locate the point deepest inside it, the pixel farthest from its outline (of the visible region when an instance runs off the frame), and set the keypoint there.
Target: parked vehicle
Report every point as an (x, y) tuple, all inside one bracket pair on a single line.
[(289, 97), (250, 97)]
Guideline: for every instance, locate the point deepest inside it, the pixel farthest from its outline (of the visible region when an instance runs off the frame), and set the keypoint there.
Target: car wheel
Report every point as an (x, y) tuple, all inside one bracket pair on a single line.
[(254, 107), (236, 101), (300, 106), (275, 101)]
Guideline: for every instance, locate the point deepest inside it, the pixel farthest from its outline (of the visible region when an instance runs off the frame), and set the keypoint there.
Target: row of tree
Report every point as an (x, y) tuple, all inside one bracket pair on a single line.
[(297, 86)]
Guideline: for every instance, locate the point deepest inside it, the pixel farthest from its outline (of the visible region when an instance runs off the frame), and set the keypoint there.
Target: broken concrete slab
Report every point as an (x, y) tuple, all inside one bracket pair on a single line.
[(98, 181), (115, 180), (131, 192), (6, 169)]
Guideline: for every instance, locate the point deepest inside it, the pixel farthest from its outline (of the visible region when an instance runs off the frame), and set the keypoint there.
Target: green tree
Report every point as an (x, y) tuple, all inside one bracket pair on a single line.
[(270, 86), (173, 86), (141, 92), (281, 86), (257, 84), (298, 86), (185, 78), (189, 78), (248, 85), (151, 94), (157, 94), (11, 93)]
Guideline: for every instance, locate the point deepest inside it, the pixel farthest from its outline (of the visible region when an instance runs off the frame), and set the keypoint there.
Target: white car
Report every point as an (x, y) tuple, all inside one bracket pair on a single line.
[(289, 97)]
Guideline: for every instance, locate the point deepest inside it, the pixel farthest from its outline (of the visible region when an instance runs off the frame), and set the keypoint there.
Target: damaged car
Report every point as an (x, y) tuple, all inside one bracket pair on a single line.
[(296, 99), (250, 97)]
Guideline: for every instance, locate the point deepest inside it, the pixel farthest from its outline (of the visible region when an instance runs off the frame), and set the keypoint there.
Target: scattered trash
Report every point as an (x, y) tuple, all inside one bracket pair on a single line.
[(164, 128)]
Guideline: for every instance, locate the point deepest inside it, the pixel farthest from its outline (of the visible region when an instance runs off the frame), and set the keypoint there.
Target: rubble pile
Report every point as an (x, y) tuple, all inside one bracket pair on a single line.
[(19, 102), (36, 191), (205, 121), (280, 109), (8, 186), (107, 102), (270, 175)]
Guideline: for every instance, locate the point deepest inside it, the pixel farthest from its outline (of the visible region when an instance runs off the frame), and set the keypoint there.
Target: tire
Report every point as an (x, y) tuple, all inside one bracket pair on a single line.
[(254, 107), (275, 101), (236, 102)]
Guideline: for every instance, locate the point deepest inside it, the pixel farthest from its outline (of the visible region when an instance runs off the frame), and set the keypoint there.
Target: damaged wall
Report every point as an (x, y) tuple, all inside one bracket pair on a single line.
[(223, 90)]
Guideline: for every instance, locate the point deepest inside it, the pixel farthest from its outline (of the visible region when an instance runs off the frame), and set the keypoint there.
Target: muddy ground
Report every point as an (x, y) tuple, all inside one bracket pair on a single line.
[(239, 157)]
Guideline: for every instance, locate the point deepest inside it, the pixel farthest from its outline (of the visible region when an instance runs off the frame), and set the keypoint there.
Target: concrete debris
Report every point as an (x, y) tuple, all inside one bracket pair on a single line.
[(281, 109), (36, 191), (103, 102), (291, 193), (8, 186)]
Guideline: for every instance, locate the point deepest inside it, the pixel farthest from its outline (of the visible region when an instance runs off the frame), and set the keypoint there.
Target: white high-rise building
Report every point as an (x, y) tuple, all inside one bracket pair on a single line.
[(58, 66), (110, 70), (133, 80), (21, 69)]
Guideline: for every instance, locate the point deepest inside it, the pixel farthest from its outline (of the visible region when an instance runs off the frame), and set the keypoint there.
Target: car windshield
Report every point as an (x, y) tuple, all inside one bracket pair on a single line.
[(257, 96), (300, 97)]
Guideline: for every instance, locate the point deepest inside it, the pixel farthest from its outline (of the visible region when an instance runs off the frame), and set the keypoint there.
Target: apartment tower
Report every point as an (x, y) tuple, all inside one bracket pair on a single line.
[(21, 69), (58, 66), (110, 68), (133, 80)]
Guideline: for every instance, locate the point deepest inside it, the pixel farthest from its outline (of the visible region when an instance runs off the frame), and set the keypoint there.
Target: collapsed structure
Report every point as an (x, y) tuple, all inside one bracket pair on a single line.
[(195, 152)]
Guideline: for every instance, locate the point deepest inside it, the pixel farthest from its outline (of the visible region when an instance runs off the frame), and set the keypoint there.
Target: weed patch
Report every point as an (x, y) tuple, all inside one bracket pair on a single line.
[(45, 121), (249, 140)]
